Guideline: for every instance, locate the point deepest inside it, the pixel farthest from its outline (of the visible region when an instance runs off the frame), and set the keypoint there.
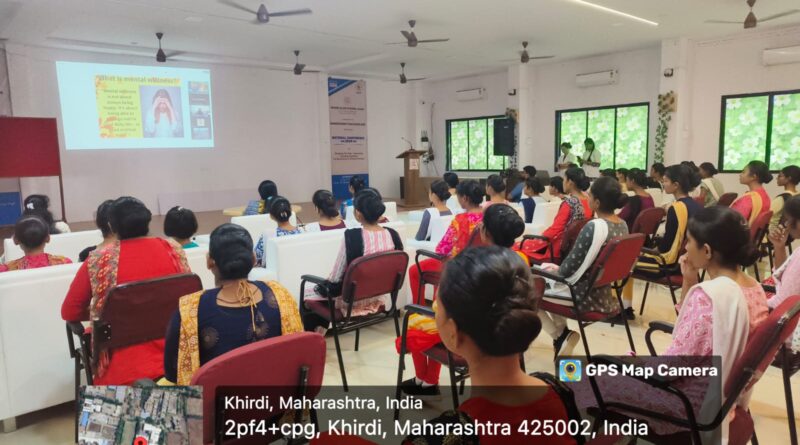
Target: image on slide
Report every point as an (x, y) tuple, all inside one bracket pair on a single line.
[(161, 111)]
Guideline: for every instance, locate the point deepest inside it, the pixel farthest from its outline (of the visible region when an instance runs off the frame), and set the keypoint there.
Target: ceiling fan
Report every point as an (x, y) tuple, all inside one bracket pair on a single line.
[(299, 67), (161, 56), (751, 21), (262, 14), (403, 78), (411, 39), (524, 57)]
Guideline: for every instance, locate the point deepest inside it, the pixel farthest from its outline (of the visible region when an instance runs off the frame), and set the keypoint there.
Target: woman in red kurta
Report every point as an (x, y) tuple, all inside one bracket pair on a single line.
[(575, 207), (756, 201), (457, 236), (134, 257)]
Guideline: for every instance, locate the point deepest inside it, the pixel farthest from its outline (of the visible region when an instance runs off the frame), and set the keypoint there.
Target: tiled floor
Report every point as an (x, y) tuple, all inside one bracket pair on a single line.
[(376, 364)]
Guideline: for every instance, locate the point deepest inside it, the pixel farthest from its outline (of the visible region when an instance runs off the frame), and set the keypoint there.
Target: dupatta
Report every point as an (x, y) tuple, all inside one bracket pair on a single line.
[(730, 332), (103, 265), (709, 183), (189, 341)]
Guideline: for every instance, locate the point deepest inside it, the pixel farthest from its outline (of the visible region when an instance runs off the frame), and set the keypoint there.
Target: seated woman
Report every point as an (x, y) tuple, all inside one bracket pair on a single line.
[(487, 314), (102, 223), (356, 184), (237, 312), (786, 277), (457, 236), (267, 190), (528, 172), (368, 239), (451, 178), (756, 201), (496, 190), (556, 188), (136, 256), (679, 181), (532, 191), (788, 178), (605, 197), (716, 318), (438, 195), (575, 207), (329, 218), (641, 200), (39, 205), (180, 224), (622, 177), (711, 188), (280, 211), (501, 226), (31, 234)]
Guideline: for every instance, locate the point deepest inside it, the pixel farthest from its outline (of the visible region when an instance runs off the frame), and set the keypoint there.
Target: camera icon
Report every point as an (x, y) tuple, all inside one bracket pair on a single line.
[(570, 370)]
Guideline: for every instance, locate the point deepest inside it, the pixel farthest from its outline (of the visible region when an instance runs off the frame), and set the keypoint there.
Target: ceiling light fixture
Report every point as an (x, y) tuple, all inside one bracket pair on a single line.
[(614, 11)]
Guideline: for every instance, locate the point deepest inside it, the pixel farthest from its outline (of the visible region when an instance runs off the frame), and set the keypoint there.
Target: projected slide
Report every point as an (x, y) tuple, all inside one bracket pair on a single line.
[(128, 106)]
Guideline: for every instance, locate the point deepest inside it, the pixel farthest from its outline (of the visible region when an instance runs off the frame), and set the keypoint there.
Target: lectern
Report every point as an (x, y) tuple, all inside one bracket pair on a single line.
[(411, 181)]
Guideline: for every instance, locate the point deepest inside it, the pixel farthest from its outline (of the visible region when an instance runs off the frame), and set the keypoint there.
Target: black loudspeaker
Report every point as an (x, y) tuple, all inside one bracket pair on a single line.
[(504, 137)]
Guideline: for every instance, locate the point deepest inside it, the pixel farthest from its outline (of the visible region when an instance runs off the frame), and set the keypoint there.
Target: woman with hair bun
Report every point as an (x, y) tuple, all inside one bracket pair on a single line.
[(716, 316), (711, 188), (678, 181), (356, 184), (756, 200), (496, 190), (458, 235), (237, 312), (39, 205), (329, 218), (280, 211), (438, 195), (605, 197), (267, 191), (574, 207), (640, 200), (367, 239)]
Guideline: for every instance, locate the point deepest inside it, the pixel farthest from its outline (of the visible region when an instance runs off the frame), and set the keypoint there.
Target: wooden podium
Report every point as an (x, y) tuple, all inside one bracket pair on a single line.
[(411, 181)]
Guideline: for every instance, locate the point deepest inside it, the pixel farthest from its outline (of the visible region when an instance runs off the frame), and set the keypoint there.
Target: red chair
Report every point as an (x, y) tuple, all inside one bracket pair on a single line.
[(761, 349), (570, 236), (647, 223), (758, 230), (288, 365), (134, 313), (366, 277), (727, 199), (611, 268)]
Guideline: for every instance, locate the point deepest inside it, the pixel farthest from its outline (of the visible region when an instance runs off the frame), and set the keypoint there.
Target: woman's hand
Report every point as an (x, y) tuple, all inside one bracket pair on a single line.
[(689, 272), (778, 237)]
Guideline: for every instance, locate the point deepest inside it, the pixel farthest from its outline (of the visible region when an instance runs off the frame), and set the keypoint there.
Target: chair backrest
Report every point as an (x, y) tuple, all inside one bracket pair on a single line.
[(438, 227), (256, 225), (762, 346), (727, 199), (617, 259), (374, 275), (760, 226), (139, 311), (648, 220), (544, 213), (571, 236), (275, 365), (69, 245)]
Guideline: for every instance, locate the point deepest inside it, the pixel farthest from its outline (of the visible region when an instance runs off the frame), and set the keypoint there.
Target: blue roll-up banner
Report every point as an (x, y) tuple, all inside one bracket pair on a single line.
[(10, 208), (347, 101)]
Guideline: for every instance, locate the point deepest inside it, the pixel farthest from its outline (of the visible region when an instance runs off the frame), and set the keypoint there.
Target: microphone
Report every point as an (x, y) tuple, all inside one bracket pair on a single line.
[(410, 145)]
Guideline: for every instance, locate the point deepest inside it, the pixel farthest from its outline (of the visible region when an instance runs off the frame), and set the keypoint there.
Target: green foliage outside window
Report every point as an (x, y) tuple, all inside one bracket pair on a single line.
[(470, 145)]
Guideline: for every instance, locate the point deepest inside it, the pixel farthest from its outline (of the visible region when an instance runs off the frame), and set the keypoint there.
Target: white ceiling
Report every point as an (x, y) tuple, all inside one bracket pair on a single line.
[(349, 36)]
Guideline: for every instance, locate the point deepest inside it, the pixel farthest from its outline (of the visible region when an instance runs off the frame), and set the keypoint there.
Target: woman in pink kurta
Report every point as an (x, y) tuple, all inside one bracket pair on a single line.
[(756, 201), (715, 319), (786, 277)]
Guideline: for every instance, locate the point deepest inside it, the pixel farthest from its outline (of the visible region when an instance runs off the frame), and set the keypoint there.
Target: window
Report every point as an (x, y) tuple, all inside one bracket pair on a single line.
[(621, 133), (470, 145), (763, 127)]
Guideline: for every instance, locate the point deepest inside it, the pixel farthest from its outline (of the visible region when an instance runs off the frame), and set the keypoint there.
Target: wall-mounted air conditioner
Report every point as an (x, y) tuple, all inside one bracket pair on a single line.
[(610, 77), (467, 95), (780, 56)]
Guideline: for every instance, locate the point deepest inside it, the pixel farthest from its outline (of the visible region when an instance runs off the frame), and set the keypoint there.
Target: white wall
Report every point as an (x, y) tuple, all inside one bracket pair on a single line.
[(554, 89), (443, 95), (268, 124), (732, 66)]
